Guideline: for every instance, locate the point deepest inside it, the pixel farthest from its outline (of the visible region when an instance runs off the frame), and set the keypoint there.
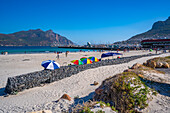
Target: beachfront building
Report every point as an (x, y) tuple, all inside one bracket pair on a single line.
[(156, 43)]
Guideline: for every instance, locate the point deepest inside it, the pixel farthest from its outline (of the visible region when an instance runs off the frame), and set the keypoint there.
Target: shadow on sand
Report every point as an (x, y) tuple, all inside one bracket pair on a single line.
[(161, 88), (84, 99), (2, 92)]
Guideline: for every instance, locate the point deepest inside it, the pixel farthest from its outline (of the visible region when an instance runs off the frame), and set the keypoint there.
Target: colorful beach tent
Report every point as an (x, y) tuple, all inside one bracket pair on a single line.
[(77, 62), (83, 58), (86, 61), (50, 64), (94, 59), (109, 54)]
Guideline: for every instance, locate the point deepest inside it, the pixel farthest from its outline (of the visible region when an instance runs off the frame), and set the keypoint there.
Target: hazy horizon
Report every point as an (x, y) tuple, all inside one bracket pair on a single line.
[(83, 21)]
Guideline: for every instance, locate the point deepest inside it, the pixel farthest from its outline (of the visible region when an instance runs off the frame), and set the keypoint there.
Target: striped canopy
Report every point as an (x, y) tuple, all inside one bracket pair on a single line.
[(94, 59), (50, 64), (83, 58), (86, 61), (77, 62)]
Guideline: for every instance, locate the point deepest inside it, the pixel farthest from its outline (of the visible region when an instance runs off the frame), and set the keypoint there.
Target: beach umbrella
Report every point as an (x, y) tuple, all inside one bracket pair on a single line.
[(86, 61), (83, 58), (50, 64), (94, 59), (77, 62)]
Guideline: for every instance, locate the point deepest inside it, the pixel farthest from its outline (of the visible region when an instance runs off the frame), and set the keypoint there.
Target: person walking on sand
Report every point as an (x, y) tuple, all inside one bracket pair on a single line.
[(156, 50), (66, 53), (117, 50), (58, 55)]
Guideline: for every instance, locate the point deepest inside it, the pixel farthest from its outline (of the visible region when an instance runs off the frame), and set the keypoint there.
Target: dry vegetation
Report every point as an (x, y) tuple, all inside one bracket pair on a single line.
[(87, 106), (142, 68), (159, 62), (162, 59)]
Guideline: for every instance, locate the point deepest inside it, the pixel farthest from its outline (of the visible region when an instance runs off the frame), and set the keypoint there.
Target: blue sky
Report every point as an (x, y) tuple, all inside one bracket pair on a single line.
[(97, 21)]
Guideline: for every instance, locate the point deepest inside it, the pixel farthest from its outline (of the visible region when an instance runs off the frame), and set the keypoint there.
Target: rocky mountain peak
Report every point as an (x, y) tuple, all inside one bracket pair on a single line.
[(49, 30), (35, 30), (35, 37), (161, 24), (160, 30)]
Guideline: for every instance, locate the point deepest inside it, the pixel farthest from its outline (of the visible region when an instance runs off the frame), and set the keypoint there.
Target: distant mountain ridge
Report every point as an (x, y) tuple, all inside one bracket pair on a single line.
[(159, 30), (36, 37)]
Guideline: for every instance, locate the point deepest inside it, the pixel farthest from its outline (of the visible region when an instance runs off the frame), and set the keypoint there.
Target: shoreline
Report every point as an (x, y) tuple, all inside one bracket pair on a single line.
[(37, 49), (105, 51), (49, 49)]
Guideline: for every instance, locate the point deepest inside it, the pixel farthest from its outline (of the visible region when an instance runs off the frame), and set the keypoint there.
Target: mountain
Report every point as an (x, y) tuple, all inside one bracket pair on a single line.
[(159, 30), (36, 37)]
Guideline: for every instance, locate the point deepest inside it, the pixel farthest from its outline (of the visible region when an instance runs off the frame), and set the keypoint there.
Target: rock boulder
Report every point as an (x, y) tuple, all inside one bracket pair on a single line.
[(165, 65), (67, 97), (159, 64), (136, 66)]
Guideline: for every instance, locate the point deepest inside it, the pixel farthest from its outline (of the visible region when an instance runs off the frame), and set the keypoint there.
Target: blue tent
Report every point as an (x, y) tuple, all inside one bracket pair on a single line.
[(109, 54)]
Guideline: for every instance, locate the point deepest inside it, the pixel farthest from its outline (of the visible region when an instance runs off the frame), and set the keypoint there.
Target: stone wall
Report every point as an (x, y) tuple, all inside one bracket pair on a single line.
[(30, 80)]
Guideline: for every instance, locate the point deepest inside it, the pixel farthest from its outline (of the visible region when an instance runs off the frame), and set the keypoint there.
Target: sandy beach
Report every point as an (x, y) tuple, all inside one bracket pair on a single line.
[(63, 56), (44, 97), (17, 64)]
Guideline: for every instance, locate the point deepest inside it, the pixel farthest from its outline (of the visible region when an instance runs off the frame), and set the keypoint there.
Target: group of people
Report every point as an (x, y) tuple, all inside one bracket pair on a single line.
[(58, 54), (158, 49), (4, 53)]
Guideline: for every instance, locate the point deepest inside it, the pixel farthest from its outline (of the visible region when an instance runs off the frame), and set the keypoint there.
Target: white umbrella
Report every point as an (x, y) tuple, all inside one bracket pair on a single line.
[(50, 64)]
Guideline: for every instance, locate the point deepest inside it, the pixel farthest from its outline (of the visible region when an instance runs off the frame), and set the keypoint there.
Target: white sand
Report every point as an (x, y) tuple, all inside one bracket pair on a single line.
[(43, 97), (17, 64)]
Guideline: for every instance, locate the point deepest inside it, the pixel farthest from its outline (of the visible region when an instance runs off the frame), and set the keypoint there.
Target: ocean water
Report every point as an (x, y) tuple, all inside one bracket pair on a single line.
[(36, 49)]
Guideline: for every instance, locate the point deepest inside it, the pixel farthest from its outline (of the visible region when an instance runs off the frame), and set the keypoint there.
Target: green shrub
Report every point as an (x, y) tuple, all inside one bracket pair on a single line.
[(154, 93), (100, 111), (108, 105), (113, 108)]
